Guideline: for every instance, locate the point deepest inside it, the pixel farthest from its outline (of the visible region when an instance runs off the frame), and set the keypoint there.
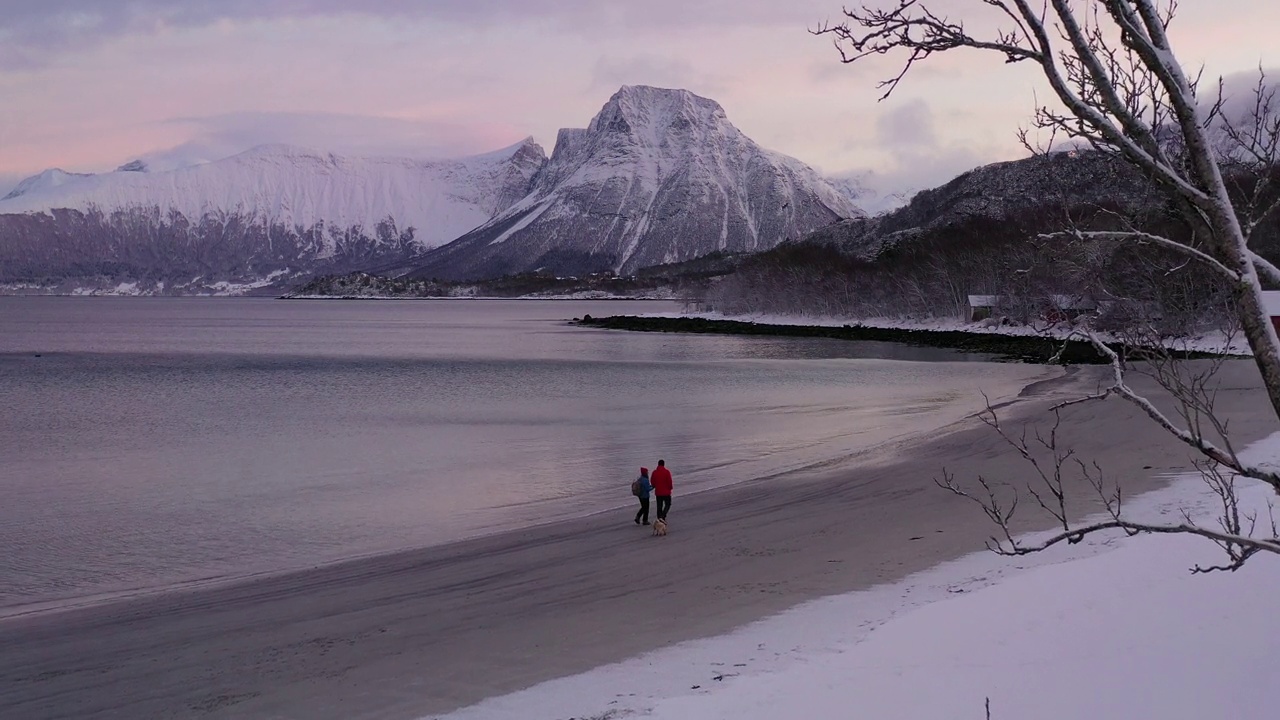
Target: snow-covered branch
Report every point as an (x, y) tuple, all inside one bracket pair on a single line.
[(1121, 89), (1054, 479), (1249, 546), (1191, 437), (1113, 70), (1265, 267), (915, 27), (1147, 238)]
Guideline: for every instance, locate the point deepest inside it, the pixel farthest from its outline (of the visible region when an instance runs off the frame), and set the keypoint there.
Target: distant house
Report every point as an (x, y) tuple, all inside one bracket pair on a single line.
[(1051, 308), (981, 307), (1271, 303), (1127, 311), (1060, 308)]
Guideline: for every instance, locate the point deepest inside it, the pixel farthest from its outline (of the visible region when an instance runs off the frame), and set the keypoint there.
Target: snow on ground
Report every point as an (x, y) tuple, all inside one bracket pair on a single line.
[(471, 293), (122, 289), (226, 288), (1110, 628), (1214, 342), (194, 288), (663, 293)]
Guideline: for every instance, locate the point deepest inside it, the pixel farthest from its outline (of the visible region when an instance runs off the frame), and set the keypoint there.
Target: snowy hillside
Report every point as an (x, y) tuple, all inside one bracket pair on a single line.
[(295, 187), (658, 176), (267, 217), (46, 182), (860, 189), (1025, 196)]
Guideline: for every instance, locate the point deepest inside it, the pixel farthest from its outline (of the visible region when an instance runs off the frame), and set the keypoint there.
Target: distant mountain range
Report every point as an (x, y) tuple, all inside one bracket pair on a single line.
[(658, 176), (280, 184)]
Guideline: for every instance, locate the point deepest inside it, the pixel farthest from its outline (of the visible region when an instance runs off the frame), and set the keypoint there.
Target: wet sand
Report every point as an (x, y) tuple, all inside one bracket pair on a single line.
[(423, 632)]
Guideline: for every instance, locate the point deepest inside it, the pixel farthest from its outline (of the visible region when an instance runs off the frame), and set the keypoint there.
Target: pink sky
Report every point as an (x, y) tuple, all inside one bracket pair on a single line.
[(88, 84)]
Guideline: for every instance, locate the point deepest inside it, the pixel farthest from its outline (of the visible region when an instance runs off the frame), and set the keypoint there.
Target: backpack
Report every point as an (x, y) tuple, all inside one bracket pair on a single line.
[(635, 487)]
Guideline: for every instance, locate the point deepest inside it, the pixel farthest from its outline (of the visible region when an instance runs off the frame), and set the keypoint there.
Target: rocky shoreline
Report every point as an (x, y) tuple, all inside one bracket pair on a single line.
[(1003, 348)]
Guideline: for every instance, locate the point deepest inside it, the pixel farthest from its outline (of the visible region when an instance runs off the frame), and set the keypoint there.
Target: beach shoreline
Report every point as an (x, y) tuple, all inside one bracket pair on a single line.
[(427, 631), (944, 409), (1003, 344)]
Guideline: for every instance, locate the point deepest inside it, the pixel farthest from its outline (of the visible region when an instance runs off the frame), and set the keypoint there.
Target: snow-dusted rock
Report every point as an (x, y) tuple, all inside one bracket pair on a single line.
[(659, 176)]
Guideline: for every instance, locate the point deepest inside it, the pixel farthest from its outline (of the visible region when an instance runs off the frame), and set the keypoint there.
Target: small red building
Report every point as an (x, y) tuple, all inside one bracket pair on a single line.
[(1271, 303)]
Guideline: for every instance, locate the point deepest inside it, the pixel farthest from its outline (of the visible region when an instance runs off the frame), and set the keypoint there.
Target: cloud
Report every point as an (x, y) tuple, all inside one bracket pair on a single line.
[(915, 171), (32, 33), (218, 136), (914, 150), (908, 125), (1239, 92), (913, 156), (612, 72)]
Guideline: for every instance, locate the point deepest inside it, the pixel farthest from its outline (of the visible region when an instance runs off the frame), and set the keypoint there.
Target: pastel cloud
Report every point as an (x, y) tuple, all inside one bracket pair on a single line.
[(218, 135), (88, 84), (34, 31)]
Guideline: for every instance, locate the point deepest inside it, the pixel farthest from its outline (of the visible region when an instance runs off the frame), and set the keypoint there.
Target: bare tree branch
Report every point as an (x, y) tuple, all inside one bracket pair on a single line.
[(1265, 267), (1116, 75), (1121, 90), (1193, 439), (1149, 239), (1051, 486)]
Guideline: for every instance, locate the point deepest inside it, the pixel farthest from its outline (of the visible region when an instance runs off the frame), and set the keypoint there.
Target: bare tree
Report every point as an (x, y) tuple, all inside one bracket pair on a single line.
[(1120, 89), (1056, 469)]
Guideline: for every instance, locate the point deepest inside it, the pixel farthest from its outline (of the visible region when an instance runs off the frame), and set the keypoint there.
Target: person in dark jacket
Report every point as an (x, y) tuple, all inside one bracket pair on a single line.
[(643, 487), (662, 488)]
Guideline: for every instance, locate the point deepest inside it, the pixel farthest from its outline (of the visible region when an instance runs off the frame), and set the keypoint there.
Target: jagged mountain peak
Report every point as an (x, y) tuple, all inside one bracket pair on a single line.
[(526, 149), (650, 114), (658, 176)]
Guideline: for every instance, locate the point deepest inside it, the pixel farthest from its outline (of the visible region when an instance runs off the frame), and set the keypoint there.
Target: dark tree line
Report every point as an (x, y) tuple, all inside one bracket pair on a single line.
[(144, 244), (921, 265), (533, 284), (999, 231)]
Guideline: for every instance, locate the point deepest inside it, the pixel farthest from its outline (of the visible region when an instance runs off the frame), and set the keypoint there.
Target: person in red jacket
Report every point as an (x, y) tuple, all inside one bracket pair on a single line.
[(661, 480)]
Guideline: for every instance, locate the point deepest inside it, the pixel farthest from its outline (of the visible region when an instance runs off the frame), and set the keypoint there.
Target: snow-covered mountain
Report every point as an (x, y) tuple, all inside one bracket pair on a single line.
[(1020, 197), (860, 190), (267, 216), (659, 176), (46, 182), (295, 187)]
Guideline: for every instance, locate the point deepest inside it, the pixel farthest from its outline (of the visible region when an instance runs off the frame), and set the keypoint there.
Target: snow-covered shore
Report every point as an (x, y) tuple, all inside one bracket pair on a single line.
[(1109, 628), (585, 295), (1214, 342)]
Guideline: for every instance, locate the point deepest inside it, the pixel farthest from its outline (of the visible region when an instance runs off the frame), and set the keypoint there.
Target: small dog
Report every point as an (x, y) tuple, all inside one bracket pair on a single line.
[(660, 527)]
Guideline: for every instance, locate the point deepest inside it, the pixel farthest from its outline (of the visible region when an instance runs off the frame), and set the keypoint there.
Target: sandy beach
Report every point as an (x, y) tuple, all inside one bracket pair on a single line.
[(424, 632)]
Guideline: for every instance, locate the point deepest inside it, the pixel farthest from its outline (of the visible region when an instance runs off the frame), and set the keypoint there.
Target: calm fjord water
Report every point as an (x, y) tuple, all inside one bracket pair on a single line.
[(148, 442)]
